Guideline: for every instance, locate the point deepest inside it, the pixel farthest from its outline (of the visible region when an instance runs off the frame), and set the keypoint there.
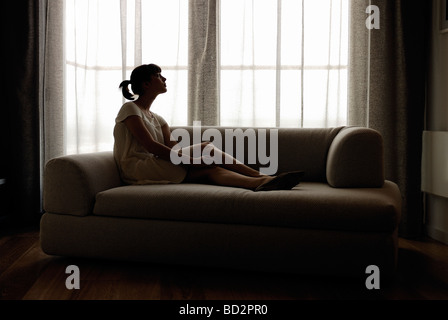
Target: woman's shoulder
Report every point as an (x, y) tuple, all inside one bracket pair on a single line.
[(130, 105), (128, 109)]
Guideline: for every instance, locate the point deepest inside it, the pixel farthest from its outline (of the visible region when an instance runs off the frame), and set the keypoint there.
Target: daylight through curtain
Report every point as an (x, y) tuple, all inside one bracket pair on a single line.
[(265, 63)]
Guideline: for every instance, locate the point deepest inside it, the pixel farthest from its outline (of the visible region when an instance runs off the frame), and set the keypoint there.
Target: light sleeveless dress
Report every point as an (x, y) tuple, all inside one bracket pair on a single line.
[(135, 163)]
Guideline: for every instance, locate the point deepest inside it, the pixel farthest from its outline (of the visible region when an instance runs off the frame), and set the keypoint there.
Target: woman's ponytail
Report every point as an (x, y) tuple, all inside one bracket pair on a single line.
[(124, 85)]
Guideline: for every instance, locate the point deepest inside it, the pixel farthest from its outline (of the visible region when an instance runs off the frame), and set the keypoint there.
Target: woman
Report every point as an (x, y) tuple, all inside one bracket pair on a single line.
[(143, 145)]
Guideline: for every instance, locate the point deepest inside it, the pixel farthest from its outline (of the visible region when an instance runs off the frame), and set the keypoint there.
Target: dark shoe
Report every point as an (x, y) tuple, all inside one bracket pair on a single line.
[(284, 181)]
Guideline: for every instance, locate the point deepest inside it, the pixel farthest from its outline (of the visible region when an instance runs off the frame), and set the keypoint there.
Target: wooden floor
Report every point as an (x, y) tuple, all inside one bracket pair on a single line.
[(26, 273)]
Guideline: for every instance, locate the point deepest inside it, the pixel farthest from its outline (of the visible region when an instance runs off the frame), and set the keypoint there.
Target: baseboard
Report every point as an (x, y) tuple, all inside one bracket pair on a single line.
[(437, 234)]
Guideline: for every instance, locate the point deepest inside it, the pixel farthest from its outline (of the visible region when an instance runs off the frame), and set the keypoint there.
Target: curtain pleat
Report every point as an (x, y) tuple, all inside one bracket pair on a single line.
[(138, 33), (52, 79), (359, 62), (123, 34), (278, 64), (203, 71), (302, 66)]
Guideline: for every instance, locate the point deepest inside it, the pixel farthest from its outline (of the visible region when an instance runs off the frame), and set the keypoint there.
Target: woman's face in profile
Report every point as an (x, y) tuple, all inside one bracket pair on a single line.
[(158, 83)]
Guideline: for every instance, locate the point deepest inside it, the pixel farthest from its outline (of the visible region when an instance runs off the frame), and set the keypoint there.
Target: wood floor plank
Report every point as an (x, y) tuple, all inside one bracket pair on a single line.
[(12, 248), (28, 273), (16, 280)]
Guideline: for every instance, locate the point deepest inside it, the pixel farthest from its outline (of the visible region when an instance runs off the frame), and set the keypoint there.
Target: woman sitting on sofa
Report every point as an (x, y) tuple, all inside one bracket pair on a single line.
[(143, 145)]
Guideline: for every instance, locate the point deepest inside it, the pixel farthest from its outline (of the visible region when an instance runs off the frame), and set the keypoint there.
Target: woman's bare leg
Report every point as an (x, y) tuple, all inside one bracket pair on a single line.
[(229, 162), (224, 177)]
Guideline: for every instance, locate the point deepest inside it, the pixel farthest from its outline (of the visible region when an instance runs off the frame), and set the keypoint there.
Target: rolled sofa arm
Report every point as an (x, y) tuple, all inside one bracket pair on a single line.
[(71, 182), (355, 159)]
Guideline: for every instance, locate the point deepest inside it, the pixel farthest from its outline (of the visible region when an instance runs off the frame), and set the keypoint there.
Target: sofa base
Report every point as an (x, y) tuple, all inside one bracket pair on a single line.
[(261, 248)]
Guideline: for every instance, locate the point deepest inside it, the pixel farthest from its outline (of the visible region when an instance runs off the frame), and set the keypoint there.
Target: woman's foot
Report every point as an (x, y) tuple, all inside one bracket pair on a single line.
[(284, 181)]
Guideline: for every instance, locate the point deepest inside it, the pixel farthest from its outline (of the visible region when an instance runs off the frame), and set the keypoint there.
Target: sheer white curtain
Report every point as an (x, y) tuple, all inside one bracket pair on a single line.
[(104, 41), (284, 62), (269, 63)]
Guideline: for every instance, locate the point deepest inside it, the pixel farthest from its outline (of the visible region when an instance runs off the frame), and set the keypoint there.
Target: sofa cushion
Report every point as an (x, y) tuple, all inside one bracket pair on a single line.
[(309, 205)]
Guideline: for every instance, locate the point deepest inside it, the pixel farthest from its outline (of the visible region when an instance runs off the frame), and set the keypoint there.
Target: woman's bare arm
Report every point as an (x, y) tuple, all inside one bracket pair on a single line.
[(138, 130), (167, 136), (141, 134)]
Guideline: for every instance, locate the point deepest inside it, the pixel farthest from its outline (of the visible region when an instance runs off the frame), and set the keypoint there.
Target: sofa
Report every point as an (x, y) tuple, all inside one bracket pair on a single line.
[(341, 218)]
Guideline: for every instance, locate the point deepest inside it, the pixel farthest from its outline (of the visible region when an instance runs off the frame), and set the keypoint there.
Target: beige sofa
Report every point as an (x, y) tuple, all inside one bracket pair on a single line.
[(342, 218)]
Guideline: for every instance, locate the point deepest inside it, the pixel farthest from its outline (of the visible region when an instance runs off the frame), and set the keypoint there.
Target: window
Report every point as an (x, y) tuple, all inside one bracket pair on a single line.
[(281, 63), (284, 63)]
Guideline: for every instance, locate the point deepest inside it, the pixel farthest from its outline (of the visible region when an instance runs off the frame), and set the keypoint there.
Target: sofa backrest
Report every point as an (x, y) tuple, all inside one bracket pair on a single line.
[(297, 149)]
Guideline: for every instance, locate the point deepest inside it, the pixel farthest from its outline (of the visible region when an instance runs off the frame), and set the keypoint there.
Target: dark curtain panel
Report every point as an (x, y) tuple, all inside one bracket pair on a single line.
[(387, 92), (20, 142)]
